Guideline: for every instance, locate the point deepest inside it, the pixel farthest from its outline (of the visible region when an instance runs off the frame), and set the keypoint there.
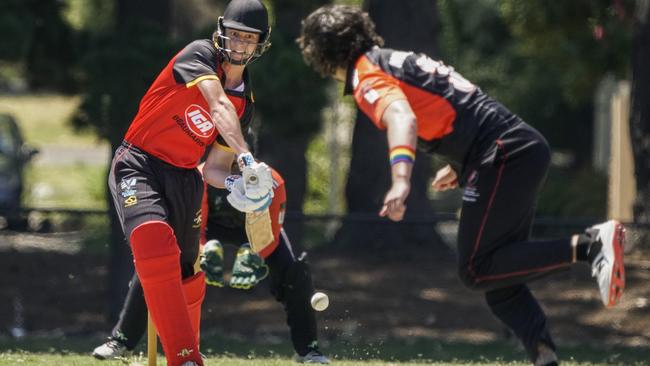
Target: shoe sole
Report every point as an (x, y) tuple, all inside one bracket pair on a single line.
[(617, 279), (99, 357)]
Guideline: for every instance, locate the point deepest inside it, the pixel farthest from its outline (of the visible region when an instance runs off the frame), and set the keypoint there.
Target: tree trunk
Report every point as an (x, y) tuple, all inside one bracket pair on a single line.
[(288, 106), (411, 26), (640, 113), (127, 13)]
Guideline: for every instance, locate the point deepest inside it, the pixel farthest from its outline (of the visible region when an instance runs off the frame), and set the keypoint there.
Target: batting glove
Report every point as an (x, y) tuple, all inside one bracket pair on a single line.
[(238, 199), (257, 177), (248, 270), (212, 263)]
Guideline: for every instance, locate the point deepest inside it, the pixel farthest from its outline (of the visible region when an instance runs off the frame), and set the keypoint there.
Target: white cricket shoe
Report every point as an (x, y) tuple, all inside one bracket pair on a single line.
[(607, 264), (109, 350), (313, 356)]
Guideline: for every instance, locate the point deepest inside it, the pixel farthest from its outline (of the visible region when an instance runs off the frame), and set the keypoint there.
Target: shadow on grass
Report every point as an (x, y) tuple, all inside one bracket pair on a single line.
[(414, 350)]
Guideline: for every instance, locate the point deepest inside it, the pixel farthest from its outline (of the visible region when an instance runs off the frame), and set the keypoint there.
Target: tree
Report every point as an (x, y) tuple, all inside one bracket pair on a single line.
[(121, 62), (40, 42), (289, 98), (543, 60), (414, 26), (640, 113)]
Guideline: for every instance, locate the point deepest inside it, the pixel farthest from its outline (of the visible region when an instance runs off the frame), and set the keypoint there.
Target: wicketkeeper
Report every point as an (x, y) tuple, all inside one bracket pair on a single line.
[(289, 273), (498, 159)]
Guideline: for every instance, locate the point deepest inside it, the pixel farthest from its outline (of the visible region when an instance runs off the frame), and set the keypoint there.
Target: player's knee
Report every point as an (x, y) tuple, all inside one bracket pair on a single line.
[(155, 251), (296, 284), (467, 278)]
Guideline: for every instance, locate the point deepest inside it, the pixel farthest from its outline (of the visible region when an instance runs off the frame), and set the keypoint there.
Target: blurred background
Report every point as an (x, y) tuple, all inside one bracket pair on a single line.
[(72, 73)]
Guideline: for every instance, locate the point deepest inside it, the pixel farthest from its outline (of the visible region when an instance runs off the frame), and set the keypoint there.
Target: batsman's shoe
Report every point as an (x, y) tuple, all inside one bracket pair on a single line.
[(212, 263), (606, 257), (248, 270), (313, 356), (109, 350)]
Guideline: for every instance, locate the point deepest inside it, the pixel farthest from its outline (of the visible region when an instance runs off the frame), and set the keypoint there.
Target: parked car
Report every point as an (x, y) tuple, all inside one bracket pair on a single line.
[(15, 154)]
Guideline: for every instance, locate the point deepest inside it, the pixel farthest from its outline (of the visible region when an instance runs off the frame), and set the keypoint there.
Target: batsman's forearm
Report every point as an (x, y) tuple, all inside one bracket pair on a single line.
[(229, 127), (224, 114)]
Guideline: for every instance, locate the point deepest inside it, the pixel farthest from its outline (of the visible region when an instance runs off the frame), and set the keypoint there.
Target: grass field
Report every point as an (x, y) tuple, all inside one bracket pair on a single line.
[(222, 350), (44, 119)]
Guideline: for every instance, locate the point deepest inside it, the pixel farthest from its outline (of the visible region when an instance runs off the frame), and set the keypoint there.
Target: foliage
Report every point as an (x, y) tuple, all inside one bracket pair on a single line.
[(41, 40), (541, 59), (574, 194), (43, 119), (290, 95), (70, 186), (119, 66)]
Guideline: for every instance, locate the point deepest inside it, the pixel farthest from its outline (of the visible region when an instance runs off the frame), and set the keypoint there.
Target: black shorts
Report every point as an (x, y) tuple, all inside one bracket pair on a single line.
[(145, 188)]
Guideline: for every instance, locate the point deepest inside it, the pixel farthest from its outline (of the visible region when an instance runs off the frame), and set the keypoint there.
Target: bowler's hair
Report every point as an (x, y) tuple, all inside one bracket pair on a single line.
[(336, 35)]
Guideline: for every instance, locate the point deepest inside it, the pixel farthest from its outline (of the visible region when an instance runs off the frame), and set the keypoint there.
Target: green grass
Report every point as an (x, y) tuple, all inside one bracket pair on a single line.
[(70, 186), (43, 119), (222, 350)]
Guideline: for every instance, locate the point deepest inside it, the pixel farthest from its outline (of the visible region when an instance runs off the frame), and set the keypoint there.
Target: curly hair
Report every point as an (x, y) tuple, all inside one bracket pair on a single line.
[(336, 35)]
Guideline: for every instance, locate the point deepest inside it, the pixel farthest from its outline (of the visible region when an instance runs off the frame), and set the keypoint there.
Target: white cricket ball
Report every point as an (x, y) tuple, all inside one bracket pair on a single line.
[(320, 301)]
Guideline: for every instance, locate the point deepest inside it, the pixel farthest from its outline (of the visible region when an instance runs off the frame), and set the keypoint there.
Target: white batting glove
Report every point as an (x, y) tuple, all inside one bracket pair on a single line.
[(238, 199), (257, 177)]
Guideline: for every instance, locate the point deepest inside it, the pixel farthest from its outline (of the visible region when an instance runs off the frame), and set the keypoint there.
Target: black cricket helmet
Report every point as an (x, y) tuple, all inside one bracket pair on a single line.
[(246, 16)]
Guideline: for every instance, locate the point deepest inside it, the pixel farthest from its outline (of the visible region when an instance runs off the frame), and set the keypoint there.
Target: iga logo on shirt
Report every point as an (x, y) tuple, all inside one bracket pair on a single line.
[(199, 121)]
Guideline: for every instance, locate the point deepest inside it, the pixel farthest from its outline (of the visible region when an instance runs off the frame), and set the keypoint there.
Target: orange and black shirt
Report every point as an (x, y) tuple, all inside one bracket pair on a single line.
[(447, 107), (173, 122)]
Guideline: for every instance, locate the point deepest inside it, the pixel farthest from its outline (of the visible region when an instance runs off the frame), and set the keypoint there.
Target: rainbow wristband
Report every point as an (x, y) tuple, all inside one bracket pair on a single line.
[(402, 153)]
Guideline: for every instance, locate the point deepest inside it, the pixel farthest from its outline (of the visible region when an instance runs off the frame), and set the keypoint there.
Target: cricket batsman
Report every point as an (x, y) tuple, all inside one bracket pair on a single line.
[(499, 160), (290, 276), (203, 95)]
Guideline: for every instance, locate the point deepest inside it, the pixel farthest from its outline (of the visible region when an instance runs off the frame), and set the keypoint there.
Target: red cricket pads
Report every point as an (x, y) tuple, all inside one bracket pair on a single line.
[(194, 288), (157, 262)]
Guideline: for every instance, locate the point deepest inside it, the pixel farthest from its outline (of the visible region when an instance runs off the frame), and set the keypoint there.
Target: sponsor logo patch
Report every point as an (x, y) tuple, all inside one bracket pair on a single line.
[(198, 121), (196, 223), (130, 201), (127, 187), (128, 191), (185, 352)]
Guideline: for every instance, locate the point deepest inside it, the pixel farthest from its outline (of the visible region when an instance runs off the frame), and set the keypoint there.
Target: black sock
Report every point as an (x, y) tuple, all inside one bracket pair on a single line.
[(582, 248)]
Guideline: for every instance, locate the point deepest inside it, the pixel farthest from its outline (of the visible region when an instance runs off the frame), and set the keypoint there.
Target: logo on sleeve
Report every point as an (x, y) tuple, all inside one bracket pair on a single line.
[(199, 121)]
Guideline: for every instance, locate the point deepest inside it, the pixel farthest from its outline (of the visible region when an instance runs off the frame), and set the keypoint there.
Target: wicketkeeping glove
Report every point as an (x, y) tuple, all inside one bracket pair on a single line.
[(258, 180), (248, 270), (212, 263), (238, 199)]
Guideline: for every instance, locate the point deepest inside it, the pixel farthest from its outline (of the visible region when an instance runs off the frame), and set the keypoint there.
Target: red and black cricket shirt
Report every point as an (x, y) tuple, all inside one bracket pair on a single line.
[(173, 122)]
